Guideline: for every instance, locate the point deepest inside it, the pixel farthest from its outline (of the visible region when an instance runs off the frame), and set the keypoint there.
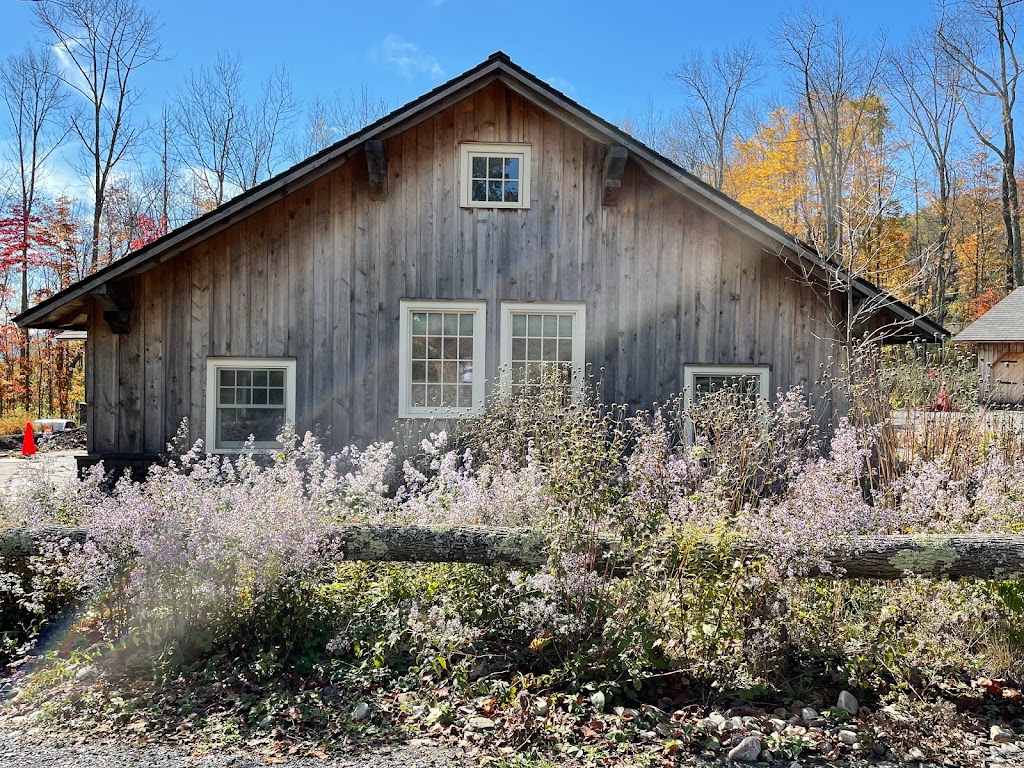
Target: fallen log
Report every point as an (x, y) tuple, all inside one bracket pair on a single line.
[(858, 557)]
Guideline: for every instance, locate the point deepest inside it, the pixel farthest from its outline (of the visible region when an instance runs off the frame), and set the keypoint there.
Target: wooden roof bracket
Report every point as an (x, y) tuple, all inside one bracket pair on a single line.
[(116, 303), (614, 166), (377, 169)]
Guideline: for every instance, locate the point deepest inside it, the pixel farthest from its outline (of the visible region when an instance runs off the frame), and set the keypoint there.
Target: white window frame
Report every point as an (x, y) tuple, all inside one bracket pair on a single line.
[(407, 307), (469, 149), (213, 367), (699, 369), (576, 309)]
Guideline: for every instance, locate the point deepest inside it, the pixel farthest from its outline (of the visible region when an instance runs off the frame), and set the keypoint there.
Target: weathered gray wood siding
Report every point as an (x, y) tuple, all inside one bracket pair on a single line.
[(1001, 373), (318, 276)]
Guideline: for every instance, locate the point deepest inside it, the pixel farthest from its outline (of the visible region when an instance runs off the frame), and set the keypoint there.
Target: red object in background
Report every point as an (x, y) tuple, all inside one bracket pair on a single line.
[(943, 403), (28, 444)]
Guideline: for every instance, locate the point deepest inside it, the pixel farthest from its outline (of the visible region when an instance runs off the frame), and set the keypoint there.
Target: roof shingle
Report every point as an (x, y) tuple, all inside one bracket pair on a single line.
[(1004, 322)]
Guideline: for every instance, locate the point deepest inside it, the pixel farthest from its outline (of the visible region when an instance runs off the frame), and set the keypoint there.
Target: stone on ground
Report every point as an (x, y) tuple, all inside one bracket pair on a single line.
[(747, 750)]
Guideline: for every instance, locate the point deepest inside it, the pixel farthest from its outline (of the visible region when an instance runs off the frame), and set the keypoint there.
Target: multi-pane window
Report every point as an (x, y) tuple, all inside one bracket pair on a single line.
[(495, 175), (495, 179), (248, 398), (748, 381), (747, 385), (441, 371), (542, 344)]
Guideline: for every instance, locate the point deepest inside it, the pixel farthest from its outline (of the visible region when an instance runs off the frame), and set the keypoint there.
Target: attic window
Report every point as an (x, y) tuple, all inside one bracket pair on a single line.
[(495, 175)]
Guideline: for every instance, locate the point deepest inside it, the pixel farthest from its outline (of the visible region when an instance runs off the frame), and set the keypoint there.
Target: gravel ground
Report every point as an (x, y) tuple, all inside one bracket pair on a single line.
[(20, 751)]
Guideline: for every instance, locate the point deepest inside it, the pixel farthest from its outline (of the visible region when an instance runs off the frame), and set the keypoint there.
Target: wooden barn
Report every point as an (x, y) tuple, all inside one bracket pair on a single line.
[(999, 338), (461, 245)]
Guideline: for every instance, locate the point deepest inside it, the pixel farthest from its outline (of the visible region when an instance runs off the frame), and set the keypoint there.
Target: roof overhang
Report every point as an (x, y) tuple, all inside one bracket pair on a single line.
[(67, 308)]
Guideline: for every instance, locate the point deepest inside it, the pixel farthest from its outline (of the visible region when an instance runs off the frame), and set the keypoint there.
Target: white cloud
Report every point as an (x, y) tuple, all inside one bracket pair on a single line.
[(560, 84), (407, 59)]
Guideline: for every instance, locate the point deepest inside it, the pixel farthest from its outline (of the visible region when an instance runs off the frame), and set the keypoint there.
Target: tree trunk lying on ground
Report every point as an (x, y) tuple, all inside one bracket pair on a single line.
[(858, 557)]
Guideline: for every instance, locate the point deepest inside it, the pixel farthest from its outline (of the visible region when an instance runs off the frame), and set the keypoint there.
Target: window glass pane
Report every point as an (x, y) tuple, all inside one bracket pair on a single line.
[(467, 373), (495, 167), (518, 325), (434, 373), (243, 378), (550, 350), (419, 347), (533, 349), (227, 396), (494, 192), (466, 324), (534, 325), (259, 397), (434, 323), (242, 396), (419, 395), (550, 325), (565, 326), (479, 167), (518, 373), (511, 191), (449, 396), (276, 378), (466, 348), (419, 323), (465, 396), (565, 350), (434, 348), (419, 373), (518, 349), (434, 395), (479, 191), (236, 424), (451, 324), (275, 396), (227, 378), (450, 372), (512, 168), (259, 378)]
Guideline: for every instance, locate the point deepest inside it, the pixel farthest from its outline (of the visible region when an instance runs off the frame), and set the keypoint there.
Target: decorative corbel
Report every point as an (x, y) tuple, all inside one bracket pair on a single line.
[(115, 301), (377, 168), (614, 165)]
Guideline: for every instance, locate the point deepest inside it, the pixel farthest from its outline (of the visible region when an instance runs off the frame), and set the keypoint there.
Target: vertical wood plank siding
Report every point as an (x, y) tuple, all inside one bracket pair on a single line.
[(318, 276)]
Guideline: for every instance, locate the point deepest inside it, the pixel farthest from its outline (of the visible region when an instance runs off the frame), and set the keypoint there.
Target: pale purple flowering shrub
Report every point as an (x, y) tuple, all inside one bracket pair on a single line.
[(215, 551)]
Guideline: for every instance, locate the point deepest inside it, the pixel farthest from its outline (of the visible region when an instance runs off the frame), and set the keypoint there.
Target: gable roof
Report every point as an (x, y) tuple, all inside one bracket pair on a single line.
[(65, 309), (1004, 322)]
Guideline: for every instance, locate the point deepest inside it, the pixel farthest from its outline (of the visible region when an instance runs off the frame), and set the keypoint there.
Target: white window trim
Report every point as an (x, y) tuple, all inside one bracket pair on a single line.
[(213, 367), (690, 371), (579, 338), (469, 148), (407, 307)]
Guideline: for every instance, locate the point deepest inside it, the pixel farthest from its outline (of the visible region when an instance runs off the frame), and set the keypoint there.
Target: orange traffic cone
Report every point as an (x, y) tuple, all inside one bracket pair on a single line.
[(28, 443)]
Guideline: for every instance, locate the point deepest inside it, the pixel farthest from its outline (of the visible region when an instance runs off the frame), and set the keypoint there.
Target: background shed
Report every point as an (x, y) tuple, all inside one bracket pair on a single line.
[(999, 336)]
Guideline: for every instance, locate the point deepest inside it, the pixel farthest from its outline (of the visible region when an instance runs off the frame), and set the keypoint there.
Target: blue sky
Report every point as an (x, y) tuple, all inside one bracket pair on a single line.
[(611, 57)]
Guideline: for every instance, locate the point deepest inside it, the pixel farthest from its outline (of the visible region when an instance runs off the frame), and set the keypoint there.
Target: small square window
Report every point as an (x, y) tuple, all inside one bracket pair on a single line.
[(495, 175), (746, 382), (248, 397), (440, 345)]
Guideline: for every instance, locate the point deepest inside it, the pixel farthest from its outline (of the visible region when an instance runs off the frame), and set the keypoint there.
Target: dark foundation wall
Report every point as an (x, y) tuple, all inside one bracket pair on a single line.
[(319, 274)]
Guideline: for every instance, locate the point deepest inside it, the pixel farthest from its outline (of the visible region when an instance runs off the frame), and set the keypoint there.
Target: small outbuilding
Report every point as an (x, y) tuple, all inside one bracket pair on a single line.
[(999, 336)]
